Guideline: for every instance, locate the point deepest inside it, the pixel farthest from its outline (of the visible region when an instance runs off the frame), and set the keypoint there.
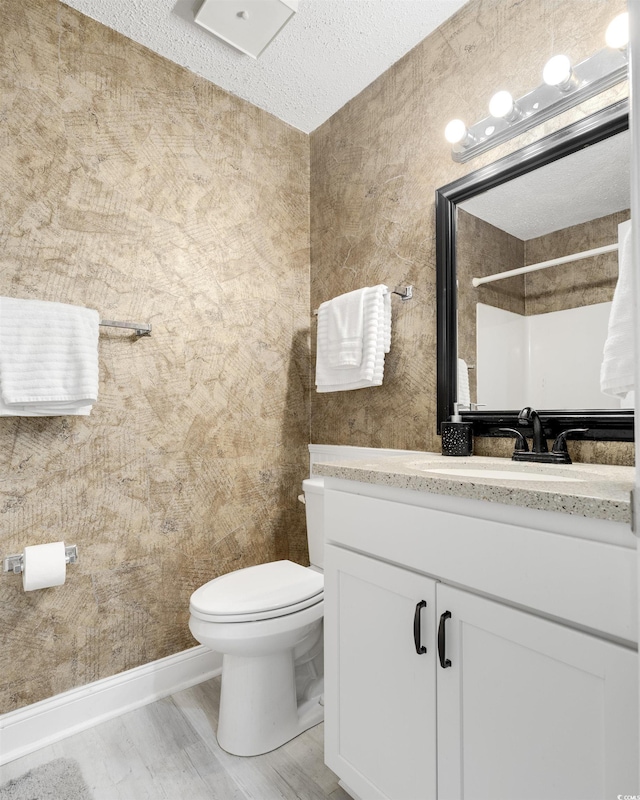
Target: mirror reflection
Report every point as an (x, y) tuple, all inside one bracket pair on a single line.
[(537, 338)]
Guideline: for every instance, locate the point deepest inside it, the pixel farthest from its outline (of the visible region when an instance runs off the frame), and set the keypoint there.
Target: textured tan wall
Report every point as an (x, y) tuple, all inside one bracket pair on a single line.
[(132, 186), (375, 166), (482, 249)]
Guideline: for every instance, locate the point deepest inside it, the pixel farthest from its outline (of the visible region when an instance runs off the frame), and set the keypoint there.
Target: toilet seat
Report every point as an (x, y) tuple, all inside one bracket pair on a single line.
[(257, 616), (258, 593)]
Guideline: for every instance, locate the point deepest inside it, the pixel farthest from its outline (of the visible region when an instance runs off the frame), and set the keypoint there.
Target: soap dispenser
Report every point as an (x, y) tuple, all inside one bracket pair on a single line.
[(457, 436)]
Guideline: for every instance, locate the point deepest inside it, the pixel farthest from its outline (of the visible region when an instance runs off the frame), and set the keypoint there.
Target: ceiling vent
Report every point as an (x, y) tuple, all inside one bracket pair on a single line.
[(247, 25)]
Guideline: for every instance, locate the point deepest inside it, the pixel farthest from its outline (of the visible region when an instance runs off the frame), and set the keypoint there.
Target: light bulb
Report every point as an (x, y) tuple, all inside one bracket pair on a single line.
[(456, 131), (617, 35), (557, 72), (504, 106), (501, 104)]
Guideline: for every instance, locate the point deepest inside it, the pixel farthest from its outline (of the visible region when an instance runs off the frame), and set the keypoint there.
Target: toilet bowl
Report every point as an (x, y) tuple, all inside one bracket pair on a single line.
[(266, 621)]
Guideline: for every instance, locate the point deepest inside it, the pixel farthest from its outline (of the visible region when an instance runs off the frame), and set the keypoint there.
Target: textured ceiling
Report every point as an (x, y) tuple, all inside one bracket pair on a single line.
[(328, 53), (586, 185)]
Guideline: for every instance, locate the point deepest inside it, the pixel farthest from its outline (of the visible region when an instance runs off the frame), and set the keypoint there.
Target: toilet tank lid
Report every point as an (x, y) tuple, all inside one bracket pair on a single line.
[(260, 588)]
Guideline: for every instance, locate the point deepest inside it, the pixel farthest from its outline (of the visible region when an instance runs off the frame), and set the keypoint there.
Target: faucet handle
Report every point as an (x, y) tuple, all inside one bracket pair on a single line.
[(521, 445), (560, 444)]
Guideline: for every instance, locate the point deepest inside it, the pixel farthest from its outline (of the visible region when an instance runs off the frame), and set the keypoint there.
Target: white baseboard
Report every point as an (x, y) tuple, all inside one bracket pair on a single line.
[(48, 721), (349, 791)]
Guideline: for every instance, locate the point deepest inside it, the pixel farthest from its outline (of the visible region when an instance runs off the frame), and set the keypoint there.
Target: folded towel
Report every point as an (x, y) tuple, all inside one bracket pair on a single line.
[(617, 373), (464, 395), (376, 341), (386, 297), (48, 358), (345, 322)]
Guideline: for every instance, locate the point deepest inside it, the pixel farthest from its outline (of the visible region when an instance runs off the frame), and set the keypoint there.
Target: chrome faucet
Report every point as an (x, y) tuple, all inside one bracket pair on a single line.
[(540, 452)]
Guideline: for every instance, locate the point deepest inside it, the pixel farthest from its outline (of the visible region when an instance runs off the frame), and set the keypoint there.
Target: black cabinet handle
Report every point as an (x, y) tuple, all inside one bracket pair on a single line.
[(442, 642), (420, 648)]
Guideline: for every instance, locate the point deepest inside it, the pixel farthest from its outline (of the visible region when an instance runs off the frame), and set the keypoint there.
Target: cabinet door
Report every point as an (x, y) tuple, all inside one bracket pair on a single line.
[(380, 718), (530, 709)]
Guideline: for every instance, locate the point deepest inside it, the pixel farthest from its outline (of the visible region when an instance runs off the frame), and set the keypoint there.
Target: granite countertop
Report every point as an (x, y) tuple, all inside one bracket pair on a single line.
[(601, 491)]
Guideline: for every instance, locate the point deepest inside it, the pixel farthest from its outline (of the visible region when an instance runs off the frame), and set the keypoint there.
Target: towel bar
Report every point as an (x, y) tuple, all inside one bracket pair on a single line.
[(405, 294), (141, 328)]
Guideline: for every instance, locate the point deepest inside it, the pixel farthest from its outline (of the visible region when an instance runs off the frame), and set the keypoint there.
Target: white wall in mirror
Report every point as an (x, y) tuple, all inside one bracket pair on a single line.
[(514, 367), (501, 359)]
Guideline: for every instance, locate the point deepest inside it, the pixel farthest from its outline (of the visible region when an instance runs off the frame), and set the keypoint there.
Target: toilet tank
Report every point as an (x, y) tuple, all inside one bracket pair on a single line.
[(313, 489)]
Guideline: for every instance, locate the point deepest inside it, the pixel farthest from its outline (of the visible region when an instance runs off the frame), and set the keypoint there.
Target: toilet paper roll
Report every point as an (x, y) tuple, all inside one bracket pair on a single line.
[(43, 565)]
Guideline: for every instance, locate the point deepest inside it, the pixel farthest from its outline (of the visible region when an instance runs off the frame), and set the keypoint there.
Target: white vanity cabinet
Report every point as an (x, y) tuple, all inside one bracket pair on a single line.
[(534, 705), (380, 694), (530, 708)]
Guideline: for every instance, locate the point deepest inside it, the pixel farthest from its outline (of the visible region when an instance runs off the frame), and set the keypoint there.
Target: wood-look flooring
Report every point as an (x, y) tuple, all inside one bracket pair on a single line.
[(168, 751)]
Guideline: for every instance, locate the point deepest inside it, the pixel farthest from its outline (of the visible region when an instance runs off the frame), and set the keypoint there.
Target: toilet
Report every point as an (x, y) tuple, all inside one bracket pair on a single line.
[(267, 623)]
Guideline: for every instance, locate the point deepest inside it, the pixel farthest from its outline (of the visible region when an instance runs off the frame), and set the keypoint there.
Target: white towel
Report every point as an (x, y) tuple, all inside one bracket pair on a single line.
[(376, 341), (345, 324), (464, 395), (48, 358), (617, 373), (386, 310)]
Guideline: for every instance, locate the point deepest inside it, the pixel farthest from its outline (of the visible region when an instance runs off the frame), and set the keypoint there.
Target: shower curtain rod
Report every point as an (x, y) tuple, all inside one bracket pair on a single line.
[(608, 248)]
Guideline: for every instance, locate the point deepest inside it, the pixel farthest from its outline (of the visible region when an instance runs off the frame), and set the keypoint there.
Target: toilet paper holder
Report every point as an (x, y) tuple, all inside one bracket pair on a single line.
[(14, 563)]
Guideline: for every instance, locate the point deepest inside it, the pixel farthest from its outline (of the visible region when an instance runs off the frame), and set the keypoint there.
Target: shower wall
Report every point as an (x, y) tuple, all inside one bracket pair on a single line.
[(134, 187)]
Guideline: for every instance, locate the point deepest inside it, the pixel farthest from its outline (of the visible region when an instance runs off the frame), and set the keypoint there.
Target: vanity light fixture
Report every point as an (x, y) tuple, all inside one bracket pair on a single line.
[(564, 86)]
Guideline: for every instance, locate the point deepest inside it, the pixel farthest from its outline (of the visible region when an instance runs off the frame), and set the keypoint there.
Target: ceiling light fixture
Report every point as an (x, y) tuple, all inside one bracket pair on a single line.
[(247, 25), (563, 87)]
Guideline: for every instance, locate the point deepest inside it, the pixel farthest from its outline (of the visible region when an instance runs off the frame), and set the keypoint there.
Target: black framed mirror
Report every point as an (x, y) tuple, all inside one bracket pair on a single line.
[(458, 200)]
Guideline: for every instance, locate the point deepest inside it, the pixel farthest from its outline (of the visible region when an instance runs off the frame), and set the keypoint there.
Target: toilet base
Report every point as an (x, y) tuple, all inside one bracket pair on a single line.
[(258, 707)]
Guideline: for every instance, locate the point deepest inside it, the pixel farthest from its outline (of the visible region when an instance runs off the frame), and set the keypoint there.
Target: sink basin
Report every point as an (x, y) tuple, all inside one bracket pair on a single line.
[(501, 474)]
